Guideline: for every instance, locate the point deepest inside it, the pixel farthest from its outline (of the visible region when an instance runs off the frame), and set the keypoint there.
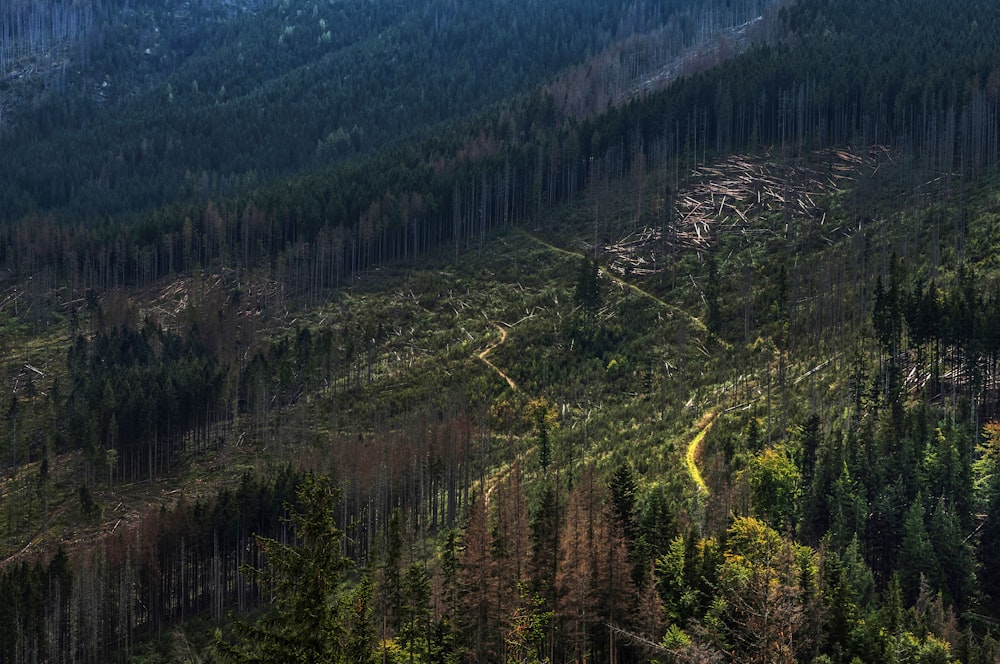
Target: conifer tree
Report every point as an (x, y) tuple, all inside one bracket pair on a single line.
[(989, 547), (588, 286), (917, 560), (307, 624), (416, 614)]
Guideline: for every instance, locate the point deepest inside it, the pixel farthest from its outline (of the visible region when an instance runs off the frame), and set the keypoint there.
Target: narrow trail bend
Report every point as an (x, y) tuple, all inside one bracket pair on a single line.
[(694, 449), (489, 349)]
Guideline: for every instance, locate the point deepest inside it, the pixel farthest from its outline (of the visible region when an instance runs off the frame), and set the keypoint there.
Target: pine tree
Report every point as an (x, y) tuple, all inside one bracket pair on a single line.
[(623, 504), (475, 580), (577, 607), (713, 317), (588, 286), (307, 624), (917, 560), (989, 547), (392, 581), (544, 442), (361, 638), (416, 614), (545, 530)]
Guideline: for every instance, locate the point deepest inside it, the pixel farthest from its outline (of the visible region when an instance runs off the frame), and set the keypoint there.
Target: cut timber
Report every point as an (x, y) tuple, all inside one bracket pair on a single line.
[(748, 186)]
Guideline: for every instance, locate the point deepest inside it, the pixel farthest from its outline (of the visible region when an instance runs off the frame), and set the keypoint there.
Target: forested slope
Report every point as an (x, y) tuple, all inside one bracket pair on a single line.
[(160, 102), (508, 344)]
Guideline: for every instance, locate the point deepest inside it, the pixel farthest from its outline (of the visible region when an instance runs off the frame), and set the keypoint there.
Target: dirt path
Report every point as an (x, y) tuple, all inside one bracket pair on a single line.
[(503, 473), (489, 349), (694, 450)]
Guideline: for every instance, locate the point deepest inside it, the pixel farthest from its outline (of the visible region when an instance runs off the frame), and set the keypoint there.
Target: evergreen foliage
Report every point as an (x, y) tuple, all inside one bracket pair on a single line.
[(307, 620)]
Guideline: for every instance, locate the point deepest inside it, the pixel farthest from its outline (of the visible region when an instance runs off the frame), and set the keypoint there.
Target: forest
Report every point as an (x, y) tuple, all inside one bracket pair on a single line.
[(500, 331)]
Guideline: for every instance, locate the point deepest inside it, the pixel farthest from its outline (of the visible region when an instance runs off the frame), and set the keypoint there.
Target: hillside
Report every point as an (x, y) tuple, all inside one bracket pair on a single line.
[(136, 105), (601, 372), (426, 385)]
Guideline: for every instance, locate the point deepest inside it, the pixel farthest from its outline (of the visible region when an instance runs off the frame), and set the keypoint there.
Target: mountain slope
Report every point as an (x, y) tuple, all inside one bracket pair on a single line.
[(168, 101), (516, 345)]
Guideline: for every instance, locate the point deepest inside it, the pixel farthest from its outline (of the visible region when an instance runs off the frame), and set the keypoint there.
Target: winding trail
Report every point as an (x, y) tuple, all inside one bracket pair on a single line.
[(490, 348), (501, 473), (694, 448)]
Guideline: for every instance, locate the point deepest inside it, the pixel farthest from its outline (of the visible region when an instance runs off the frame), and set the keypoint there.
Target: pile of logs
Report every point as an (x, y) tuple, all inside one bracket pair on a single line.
[(732, 195)]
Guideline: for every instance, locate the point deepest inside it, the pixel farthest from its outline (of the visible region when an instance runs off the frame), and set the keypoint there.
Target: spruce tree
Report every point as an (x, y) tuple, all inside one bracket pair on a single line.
[(307, 623), (588, 286)]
